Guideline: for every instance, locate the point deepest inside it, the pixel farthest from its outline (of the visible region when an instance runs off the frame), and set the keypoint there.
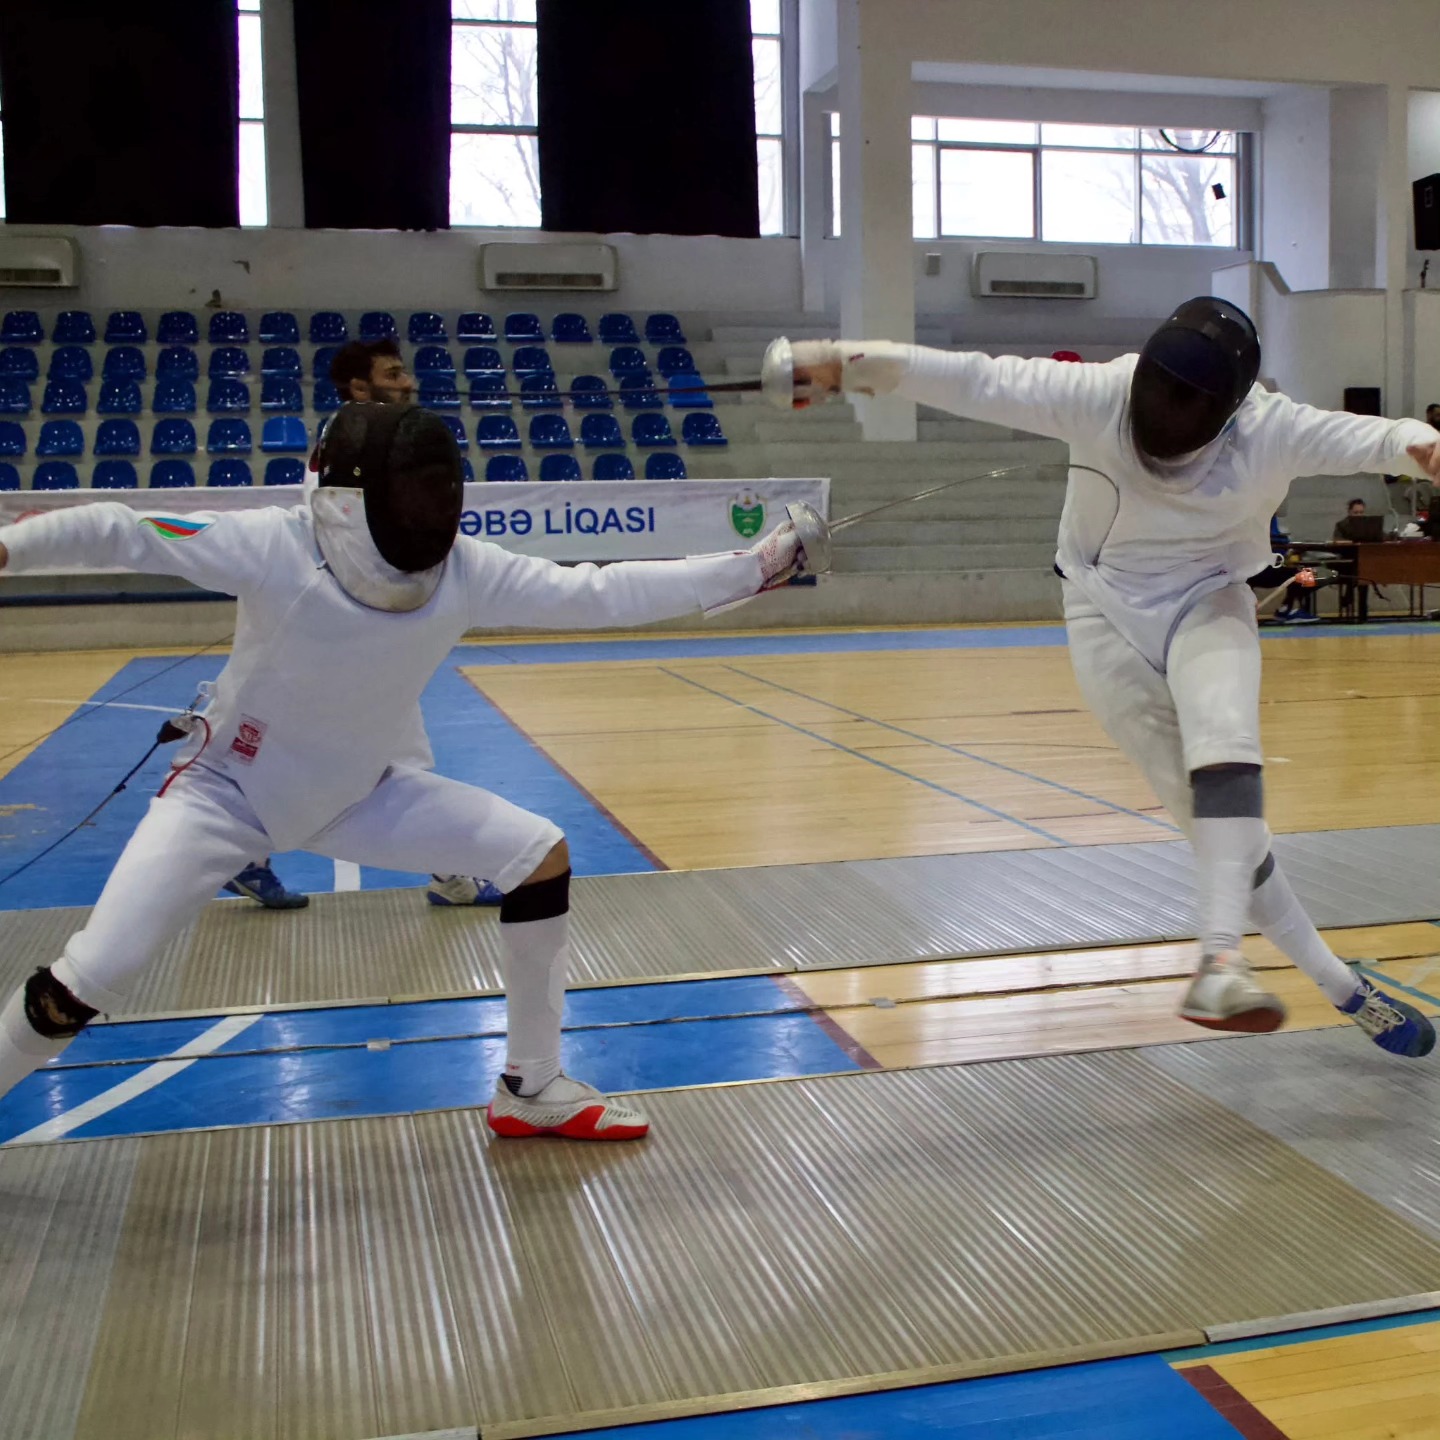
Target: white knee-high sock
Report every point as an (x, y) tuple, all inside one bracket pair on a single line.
[(1227, 851), (22, 1050), (1281, 919), (537, 960)]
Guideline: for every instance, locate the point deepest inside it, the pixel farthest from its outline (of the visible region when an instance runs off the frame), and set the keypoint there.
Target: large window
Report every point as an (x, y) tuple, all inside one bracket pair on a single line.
[(2, 158), (254, 193), (768, 57), (494, 150)]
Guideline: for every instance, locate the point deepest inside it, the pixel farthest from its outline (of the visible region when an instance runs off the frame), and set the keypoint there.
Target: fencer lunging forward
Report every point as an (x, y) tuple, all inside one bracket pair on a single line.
[(1179, 459), (347, 608)]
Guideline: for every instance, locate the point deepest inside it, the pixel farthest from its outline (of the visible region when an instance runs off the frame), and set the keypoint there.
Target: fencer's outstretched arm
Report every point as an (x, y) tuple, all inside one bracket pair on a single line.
[(1331, 442)]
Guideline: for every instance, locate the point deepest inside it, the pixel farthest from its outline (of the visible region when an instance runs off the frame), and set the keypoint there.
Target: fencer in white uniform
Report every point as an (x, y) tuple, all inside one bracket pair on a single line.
[(346, 609), (1178, 461)]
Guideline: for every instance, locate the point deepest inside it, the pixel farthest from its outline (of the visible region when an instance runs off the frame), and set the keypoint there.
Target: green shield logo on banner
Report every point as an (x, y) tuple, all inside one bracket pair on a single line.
[(747, 514)]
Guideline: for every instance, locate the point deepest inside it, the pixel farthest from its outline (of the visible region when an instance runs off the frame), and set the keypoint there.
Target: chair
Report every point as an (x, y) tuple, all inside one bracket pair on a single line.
[(522, 328), (616, 329), (117, 437), (228, 362), (550, 432), (19, 362), (60, 437), (488, 392), (473, 326), (638, 392), (229, 437), (14, 397), (589, 392), (326, 399), (114, 475), (229, 327), (230, 472), (663, 328), (601, 432), (281, 360), (126, 327), (538, 392), (327, 327), (425, 326), (281, 392), (664, 465), (21, 327), (173, 437), (172, 475), (118, 397), (569, 329), (481, 360), (55, 475), (438, 392), (12, 438), (285, 471), (506, 467), (124, 362), (675, 360), (650, 430), (9, 476), (227, 397), (467, 471), (177, 327), (532, 359), (71, 362), (497, 432), (613, 467), (285, 433), (73, 327), (688, 392), (433, 360), (559, 468), (702, 428), (64, 397), (456, 426), (322, 361), (278, 327), (378, 325), (628, 360), (177, 362)]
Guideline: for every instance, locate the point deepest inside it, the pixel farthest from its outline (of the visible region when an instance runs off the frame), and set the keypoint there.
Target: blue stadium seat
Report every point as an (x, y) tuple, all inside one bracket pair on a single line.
[(475, 327), (523, 328), (73, 327), (278, 327), (229, 327), (628, 360), (324, 358), (283, 471), (229, 437), (532, 359), (281, 360), (497, 432), (118, 397), (228, 362), (649, 431), (114, 475), (479, 360), (14, 397), (425, 326), (618, 329), (177, 327), (487, 392), (569, 329), (173, 437), (702, 428), (117, 437), (438, 392), (601, 432), (663, 329), (9, 476), (281, 392), (230, 472), (613, 467), (19, 362), (172, 475), (60, 437), (64, 397), (675, 360), (124, 362), (456, 426), (126, 327), (467, 471), (71, 362), (327, 327), (539, 392), (21, 327), (433, 360), (506, 467), (378, 325), (55, 475), (227, 397), (638, 392), (327, 397), (589, 392), (664, 465), (177, 362), (550, 432), (12, 438), (285, 434), (687, 392), (560, 468)]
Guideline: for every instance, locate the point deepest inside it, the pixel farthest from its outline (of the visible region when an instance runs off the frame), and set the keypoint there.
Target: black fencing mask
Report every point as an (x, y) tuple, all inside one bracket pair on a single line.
[(1192, 376)]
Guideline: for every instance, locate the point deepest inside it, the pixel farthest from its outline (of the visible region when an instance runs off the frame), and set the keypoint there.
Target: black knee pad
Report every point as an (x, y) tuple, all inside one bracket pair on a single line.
[(52, 1010), (1224, 792), (543, 900)]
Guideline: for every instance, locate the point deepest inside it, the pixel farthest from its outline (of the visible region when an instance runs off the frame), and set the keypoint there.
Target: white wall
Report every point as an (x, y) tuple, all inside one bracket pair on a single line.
[(1423, 144), (1357, 174), (1294, 229), (819, 53), (1422, 314)]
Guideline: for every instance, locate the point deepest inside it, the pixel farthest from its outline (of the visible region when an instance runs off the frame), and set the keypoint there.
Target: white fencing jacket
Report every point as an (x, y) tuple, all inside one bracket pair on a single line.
[(1142, 545), (321, 694)]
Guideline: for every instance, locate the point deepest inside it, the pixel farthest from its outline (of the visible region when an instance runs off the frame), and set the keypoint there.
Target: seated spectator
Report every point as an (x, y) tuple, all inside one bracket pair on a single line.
[(1432, 415), (1344, 530)]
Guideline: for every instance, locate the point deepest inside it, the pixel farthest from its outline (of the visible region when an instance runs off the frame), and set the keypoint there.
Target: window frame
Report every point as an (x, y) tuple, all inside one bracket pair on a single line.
[(788, 12), (247, 123)]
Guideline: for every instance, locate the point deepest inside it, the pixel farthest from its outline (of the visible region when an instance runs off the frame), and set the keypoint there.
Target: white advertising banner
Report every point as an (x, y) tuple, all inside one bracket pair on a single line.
[(576, 520)]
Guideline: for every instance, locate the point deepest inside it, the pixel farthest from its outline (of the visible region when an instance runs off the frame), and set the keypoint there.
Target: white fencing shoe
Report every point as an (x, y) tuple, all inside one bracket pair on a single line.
[(564, 1107), (1224, 996)]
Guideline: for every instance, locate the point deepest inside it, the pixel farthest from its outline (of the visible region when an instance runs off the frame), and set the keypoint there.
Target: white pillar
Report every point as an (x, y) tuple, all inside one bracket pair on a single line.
[(1392, 249), (877, 281), (283, 176)]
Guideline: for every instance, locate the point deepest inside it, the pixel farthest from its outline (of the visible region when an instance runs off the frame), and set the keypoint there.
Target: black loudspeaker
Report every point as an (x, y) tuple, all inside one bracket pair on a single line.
[(1427, 212), (1363, 399)]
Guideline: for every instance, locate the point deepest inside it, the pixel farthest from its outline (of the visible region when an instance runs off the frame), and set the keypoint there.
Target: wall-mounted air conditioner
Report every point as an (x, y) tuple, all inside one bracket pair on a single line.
[(543, 266), (38, 262), (1033, 274)]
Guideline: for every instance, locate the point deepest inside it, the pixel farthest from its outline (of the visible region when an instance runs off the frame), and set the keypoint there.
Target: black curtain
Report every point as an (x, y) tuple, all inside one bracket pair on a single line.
[(374, 81), (120, 114), (647, 117)]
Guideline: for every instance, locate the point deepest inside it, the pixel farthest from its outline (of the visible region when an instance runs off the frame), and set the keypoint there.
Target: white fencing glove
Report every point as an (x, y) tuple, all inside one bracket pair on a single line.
[(780, 555), (824, 368)]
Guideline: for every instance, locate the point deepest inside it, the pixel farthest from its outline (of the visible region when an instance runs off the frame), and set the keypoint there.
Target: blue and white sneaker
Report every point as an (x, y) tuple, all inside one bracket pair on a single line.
[(1390, 1023), (261, 884), (461, 890)]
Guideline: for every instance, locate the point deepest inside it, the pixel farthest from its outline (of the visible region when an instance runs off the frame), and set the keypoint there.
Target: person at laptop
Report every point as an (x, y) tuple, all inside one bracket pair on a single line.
[(1356, 525)]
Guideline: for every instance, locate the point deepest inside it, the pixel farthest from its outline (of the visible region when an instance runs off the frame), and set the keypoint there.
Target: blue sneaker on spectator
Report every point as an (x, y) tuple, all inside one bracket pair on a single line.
[(261, 884), (1390, 1023), (461, 890)]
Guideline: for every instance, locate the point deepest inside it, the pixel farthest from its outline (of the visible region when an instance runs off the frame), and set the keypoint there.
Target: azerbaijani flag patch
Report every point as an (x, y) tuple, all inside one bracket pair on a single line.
[(167, 527)]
